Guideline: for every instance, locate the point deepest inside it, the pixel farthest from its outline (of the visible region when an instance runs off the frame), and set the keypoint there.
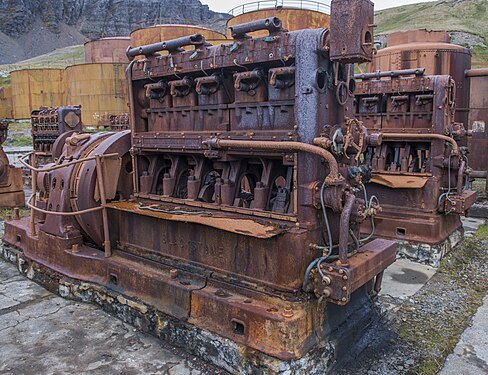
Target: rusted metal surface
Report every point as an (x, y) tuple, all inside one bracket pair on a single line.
[(419, 165), (107, 50), (433, 51), (11, 184), (120, 122), (237, 191), (478, 120)]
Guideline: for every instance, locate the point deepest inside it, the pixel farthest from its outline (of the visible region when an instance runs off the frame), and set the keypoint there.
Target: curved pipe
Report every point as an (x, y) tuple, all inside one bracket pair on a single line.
[(344, 228), (407, 136), (460, 177), (332, 178)]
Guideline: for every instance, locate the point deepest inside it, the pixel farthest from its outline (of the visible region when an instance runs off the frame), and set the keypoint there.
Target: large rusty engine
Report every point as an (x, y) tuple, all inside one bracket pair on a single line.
[(222, 207), (419, 166)]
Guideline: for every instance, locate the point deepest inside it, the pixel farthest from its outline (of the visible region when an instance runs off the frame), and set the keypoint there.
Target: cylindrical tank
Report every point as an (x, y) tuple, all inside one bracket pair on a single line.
[(100, 89), (294, 15), (478, 123), (34, 88), (107, 50), (6, 102), (162, 33), (433, 51)]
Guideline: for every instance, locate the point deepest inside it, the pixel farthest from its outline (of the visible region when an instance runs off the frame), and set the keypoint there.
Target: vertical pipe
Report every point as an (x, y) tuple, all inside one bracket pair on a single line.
[(101, 188), (344, 228), (34, 190)]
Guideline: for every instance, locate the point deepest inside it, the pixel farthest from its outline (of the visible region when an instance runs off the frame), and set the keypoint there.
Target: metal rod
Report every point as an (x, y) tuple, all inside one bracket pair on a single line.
[(391, 73), (53, 168), (408, 136), (58, 213), (332, 178), (101, 188), (344, 228), (33, 196), (170, 45), (482, 72)]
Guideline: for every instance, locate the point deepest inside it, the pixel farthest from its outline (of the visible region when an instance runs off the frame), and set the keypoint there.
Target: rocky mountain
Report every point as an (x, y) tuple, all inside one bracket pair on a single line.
[(32, 27)]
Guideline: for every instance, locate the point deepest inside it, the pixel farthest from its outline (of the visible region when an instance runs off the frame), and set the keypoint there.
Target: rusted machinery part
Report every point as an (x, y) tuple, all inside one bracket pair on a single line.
[(391, 73), (84, 185), (272, 24), (478, 174), (332, 178), (407, 136), (344, 228), (482, 72), (460, 176), (171, 45)]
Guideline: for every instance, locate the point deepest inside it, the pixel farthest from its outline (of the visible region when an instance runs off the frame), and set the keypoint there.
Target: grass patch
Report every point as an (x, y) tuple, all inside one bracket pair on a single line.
[(18, 140), (433, 320), (4, 212)]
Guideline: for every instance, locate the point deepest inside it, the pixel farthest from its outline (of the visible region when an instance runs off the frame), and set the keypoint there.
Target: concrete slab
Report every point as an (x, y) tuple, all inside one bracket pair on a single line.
[(41, 333), (404, 278), (471, 225), (470, 355)]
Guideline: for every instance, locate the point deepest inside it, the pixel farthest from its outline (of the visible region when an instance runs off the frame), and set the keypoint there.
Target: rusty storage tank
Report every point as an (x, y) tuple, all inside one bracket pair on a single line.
[(6, 102), (35, 88), (295, 15), (107, 50), (433, 51), (100, 89), (161, 33), (478, 119)]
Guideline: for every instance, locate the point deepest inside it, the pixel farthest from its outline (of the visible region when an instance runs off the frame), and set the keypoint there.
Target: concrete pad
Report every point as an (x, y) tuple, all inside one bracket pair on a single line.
[(471, 225), (41, 333), (470, 355), (404, 278)]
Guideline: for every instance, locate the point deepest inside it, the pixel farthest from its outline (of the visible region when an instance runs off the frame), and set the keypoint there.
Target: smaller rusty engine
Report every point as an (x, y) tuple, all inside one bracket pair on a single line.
[(420, 165), (49, 123), (233, 206)]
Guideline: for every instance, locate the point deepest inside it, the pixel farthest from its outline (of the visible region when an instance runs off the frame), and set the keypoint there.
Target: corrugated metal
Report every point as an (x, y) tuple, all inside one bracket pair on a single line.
[(6, 102), (107, 50), (101, 89), (34, 88), (161, 33), (292, 19)]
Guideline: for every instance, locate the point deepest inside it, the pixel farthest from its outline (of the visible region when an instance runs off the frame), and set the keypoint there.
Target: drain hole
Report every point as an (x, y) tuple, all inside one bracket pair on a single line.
[(238, 327), (401, 232), (113, 279), (18, 238)]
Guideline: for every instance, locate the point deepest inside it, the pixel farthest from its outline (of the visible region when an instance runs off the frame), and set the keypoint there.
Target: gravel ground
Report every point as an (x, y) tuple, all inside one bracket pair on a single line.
[(415, 335)]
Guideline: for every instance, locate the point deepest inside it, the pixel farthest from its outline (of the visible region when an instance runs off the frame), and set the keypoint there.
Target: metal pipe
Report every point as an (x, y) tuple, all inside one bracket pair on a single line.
[(272, 24), (58, 213), (53, 168), (332, 178), (390, 73), (482, 72), (103, 201), (33, 196), (409, 136), (170, 45), (344, 228), (460, 176), (478, 174)]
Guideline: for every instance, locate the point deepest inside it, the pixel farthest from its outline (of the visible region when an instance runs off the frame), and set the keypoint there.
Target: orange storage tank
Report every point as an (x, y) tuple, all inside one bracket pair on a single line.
[(294, 15), (107, 50)]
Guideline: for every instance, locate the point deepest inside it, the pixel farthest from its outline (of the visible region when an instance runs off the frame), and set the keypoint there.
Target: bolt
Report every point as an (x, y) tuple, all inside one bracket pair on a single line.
[(330, 269), (75, 248), (327, 292), (344, 299), (326, 280), (341, 271), (287, 311), (173, 273), (344, 288), (344, 277)]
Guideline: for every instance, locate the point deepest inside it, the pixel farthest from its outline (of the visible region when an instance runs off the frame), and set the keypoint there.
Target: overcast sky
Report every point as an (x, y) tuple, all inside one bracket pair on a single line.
[(226, 5)]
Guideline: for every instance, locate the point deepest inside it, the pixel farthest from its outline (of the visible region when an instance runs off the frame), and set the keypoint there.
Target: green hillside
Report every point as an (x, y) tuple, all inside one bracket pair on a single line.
[(468, 17)]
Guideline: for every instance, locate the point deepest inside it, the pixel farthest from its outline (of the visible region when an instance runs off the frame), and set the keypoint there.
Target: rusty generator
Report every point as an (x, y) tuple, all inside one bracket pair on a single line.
[(221, 221), (419, 170)]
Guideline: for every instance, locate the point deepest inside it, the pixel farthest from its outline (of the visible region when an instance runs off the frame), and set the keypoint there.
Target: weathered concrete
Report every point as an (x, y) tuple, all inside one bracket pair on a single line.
[(470, 355), (404, 278), (41, 333)]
